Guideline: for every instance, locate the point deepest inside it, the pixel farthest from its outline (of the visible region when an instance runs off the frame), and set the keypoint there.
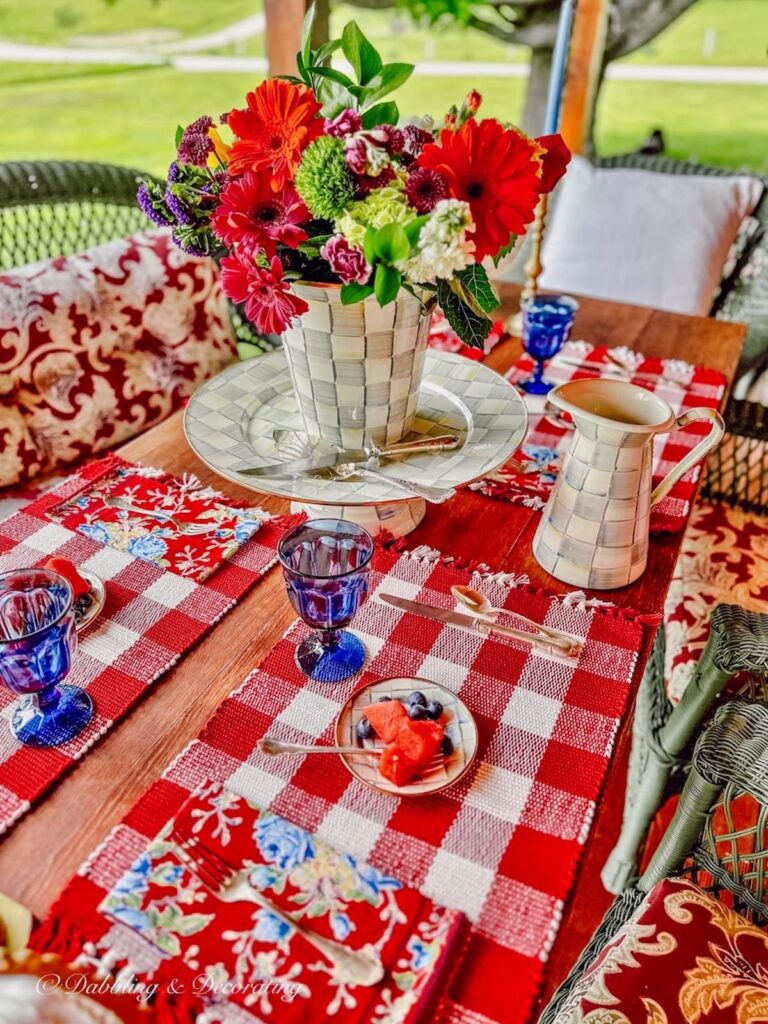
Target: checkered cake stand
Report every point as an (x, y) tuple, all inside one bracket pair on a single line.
[(230, 421)]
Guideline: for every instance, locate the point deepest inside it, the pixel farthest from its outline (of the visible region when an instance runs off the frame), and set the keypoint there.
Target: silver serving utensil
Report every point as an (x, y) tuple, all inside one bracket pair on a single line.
[(434, 495), (268, 745), (350, 966), (475, 624), (191, 529), (301, 446), (482, 607), (338, 456)]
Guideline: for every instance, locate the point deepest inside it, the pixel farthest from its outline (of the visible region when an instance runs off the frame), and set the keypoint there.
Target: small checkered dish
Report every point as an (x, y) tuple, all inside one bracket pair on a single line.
[(457, 721), (229, 424)]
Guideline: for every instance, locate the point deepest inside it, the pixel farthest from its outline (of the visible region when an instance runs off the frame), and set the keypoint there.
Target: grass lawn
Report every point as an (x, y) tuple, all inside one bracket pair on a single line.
[(130, 116)]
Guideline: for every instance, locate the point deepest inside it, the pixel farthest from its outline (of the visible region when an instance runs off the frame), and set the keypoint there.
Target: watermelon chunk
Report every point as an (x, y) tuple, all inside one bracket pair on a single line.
[(419, 741), (386, 718), (68, 570), (395, 766)]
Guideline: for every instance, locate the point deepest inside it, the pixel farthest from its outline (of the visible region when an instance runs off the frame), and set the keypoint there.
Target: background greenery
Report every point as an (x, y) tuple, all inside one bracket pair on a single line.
[(129, 115)]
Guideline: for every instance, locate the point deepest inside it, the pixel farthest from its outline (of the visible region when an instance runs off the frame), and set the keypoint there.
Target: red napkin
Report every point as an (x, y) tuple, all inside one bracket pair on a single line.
[(242, 953)]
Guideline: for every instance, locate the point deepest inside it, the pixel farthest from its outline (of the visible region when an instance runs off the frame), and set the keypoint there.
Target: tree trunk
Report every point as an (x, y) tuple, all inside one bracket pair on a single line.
[(321, 27), (536, 92)]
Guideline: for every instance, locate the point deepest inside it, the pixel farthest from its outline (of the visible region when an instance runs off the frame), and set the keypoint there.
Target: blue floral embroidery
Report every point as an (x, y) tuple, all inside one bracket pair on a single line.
[(244, 531), (341, 926), (136, 919), (136, 880), (421, 955), (270, 927), (263, 877), (95, 531), (151, 547), (371, 881), (282, 843)]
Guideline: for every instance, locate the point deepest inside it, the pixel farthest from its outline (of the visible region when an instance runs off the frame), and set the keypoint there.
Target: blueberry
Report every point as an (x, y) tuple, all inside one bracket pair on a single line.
[(417, 712), (381, 700), (417, 697), (434, 709), (447, 746), (364, 730)]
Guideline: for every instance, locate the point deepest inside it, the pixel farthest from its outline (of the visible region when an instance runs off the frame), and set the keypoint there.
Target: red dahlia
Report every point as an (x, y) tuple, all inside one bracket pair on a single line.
[(253, 217), (268, 300), (497, 170), (425, 188)]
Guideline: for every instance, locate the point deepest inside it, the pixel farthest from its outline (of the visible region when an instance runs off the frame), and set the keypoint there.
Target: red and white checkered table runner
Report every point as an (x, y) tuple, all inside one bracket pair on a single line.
[(681, 384), (150, 619), (502, 845)]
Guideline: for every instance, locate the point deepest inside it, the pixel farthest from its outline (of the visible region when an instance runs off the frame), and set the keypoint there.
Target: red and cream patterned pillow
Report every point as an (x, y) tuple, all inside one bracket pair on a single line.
[(95, 348), (683, 958), (723, 560)]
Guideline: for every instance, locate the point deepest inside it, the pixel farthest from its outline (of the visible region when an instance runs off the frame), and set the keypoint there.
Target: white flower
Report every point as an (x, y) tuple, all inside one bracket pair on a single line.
[(443, 246)]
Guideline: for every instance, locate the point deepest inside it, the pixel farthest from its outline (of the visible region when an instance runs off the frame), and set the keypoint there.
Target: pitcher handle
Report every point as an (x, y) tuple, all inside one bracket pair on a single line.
[(705, 445)]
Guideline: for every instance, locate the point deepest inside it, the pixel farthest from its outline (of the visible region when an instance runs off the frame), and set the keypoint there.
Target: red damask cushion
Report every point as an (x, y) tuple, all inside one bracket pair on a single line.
[(684, 958), (97, 347), (723, 559)]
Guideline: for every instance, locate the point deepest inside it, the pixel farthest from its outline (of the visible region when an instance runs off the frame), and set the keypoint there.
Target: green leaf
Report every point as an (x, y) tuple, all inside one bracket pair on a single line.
[(505, 250), (355, 293), (360, 53), (387, 283), (391, 243), (306, 36), (334, 97), (322, 54), (389, 78), (247, 350), (413, 228), (334, 75), (382, 113), (369, 245), (179, 133), (475, 281), (470, 327)]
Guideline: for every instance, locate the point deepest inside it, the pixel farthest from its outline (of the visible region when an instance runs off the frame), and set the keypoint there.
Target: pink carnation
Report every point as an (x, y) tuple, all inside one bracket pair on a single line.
[(346, 260), (346, 123)]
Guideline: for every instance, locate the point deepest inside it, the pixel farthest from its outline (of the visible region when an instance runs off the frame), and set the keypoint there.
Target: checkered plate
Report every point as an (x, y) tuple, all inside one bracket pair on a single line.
[(230, 420)]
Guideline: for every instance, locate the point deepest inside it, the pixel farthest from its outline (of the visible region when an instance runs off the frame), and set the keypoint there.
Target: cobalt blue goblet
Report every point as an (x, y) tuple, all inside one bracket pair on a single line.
[(38, 640), (547, 324), (326, 563)]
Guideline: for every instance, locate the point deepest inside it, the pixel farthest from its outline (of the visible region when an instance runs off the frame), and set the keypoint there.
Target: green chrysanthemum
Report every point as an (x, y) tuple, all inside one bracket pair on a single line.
[(387, 205), (323, 179)]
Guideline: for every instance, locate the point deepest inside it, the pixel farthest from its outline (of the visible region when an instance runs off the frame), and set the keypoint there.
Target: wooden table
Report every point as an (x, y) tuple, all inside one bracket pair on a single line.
[(48, 845)]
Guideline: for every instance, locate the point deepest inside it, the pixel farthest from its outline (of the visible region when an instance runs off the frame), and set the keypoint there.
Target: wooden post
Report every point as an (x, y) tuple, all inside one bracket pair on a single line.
[(585, 61), (283, 32)]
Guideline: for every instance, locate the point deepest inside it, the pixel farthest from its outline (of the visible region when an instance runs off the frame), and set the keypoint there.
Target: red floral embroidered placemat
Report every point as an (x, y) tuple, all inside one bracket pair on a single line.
[(681, 384), (502, 845), (152, 615)]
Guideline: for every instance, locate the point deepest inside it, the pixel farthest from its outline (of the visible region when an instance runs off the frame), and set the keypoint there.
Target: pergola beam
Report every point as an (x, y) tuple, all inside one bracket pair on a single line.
[(585, 61)]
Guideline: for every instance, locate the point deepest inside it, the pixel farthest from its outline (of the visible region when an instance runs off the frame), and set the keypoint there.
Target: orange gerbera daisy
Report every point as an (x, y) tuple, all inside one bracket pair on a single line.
[(496, 170), (280, 122)]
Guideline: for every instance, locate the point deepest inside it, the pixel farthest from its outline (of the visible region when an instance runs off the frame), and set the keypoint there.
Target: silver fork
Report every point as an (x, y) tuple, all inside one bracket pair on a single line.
[(434, 495), (350, 966), (191, 529), (273, 747)]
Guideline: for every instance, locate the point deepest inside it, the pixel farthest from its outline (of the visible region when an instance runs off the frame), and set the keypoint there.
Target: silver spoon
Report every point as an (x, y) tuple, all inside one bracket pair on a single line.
[(482, 607), (300, 446), (268, 745)]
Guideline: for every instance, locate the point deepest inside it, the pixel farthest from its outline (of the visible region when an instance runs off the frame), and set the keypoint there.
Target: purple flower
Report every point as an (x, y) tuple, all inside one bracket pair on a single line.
[(189, 247), (174, 172), (415, 139), (179, 209), (346, 260), (196, 145), (393, 139), (346, 123), (151, 211)]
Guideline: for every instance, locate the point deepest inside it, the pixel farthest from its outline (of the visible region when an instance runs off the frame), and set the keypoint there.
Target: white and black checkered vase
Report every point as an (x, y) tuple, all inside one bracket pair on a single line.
[(356, 369)]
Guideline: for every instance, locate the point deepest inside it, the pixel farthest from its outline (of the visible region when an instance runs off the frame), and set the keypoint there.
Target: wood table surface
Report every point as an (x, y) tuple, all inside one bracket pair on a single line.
[(47, 846)]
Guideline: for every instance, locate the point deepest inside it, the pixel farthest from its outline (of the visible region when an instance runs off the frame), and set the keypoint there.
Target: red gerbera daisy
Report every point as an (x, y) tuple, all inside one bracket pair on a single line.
[(268, 300), (496, 170), (554, 160), (251, 216), (280, 122)]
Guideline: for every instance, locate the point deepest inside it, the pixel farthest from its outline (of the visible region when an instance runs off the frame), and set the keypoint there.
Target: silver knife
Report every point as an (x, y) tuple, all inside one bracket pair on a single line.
[(356, 456), (477, 625)]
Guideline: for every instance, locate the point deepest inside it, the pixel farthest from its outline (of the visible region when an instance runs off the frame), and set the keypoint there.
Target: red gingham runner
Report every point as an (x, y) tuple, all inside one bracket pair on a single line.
[(681, 384), (151, 617), (502, 845)]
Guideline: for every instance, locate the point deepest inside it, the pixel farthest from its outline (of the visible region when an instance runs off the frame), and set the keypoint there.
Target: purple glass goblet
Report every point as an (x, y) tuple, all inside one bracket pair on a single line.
[(547, 324), (326, 564), (38, 641)]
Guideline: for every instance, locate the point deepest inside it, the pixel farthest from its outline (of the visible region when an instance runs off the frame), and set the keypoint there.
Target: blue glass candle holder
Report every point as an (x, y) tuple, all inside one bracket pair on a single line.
[(38, 641), (326, 564), (547, 324)]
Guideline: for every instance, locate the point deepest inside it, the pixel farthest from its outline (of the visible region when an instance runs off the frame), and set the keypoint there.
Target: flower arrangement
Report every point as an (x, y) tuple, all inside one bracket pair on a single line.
[(321, 181)]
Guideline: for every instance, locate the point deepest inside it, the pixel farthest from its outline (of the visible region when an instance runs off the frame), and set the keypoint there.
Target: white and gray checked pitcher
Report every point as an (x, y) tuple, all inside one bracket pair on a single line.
[(594, 530)]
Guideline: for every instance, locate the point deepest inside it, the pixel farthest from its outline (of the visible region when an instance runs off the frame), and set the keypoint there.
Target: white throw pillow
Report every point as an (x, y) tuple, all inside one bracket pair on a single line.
[(644, 237)]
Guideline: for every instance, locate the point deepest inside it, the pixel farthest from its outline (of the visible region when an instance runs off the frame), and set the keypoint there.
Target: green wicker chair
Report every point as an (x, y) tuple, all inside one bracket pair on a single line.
[(57, 208), (730, 760)]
